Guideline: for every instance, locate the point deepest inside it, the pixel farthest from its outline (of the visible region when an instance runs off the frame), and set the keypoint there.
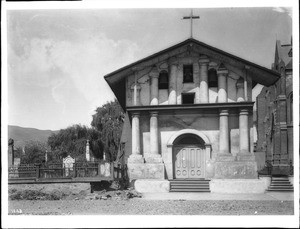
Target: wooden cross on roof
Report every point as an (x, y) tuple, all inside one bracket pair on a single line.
[(191, 17)]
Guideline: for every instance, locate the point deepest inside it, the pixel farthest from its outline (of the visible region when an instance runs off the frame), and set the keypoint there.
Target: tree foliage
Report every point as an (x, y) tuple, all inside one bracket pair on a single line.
[(72, 141), (34, 152), (109, 120)]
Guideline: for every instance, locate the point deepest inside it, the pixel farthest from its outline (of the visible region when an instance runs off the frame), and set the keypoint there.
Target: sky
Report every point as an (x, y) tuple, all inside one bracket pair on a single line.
[(57, 57)]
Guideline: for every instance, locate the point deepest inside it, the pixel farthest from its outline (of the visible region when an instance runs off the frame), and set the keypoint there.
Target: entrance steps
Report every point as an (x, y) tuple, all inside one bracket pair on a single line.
[(184, 185), (280, 184)]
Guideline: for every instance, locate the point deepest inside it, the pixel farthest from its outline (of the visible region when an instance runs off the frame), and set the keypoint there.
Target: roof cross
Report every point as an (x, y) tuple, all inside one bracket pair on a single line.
[(191, 17)]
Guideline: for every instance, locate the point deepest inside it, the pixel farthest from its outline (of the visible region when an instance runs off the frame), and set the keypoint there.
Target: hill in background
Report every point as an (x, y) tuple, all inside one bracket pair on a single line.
[(21, 135)]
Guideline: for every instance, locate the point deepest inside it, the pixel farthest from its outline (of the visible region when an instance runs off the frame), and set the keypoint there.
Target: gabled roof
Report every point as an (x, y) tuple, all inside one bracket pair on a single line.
[(258, 73)]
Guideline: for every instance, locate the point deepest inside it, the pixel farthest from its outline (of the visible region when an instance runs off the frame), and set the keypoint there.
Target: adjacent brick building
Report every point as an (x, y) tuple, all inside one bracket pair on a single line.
[(275, 114)]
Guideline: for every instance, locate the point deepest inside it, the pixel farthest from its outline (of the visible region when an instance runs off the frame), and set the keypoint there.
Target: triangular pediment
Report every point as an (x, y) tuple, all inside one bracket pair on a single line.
[(193, 48)]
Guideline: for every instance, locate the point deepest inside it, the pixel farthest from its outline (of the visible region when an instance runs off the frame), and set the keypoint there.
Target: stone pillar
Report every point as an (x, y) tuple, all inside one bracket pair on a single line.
[(153, 156), (224, 133), (136, 156), (153, 133), (172, 81), (203, 69), (240, 90), (154, 74), (222, 85), (136, 99), (244, 131)]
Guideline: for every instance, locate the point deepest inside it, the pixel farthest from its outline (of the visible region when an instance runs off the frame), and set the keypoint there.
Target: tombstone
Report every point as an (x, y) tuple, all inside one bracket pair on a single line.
[(46, 156), (87, 150), (68, 163), (105, 169)]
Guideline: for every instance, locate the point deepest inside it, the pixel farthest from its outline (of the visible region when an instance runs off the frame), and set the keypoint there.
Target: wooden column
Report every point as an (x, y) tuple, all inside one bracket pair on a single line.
[(135, 156), (136, 89), (244, 131), (222, 85), (203, 68), (224, 132), (173, 81), (154, 74), (240, 90), (154, 133)]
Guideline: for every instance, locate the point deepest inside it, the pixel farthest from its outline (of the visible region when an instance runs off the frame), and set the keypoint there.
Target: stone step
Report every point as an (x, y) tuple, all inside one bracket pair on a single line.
[(280, 182), (190, 190), (280, 178), (188, 182), (182, 184), (280, 186), (199, 185), (287, 185), (200, 180), (280, 190)]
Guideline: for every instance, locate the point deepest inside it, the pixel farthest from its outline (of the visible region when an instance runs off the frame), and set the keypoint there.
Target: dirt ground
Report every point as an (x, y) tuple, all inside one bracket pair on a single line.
[(149, 207), (76, 199)]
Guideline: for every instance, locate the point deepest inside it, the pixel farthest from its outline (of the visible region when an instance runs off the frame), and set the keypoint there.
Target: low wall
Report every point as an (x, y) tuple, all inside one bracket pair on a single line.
[(232, 186), (146, 186)]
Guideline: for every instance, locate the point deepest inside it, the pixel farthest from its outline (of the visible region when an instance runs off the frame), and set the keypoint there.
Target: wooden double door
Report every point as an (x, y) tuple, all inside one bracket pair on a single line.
[(189, 162)]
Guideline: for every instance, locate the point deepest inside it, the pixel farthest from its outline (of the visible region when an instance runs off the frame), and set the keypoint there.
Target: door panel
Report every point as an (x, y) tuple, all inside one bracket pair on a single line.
[(189, 163)]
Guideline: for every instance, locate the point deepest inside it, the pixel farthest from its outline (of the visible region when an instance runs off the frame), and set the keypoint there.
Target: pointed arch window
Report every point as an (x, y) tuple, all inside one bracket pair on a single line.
[(163, 80)]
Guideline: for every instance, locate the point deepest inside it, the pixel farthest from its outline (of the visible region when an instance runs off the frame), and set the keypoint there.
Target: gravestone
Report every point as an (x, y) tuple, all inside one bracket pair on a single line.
[(87, 151), (105, 169), (68, 163)]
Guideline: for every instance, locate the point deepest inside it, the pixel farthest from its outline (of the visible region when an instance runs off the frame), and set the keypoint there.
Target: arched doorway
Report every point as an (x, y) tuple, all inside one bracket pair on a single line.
[(189, 152)]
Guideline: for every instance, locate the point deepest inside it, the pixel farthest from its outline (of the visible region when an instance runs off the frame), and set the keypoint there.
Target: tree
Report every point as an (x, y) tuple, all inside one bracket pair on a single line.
[(34, 152), (72, 141), (18, 152), (109, 121)]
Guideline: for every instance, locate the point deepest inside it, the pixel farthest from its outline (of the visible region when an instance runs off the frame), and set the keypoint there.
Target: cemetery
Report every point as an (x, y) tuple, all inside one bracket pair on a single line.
[(68, 171)]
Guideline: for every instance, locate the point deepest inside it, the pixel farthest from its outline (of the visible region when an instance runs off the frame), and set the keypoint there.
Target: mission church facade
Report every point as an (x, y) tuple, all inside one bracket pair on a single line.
[(189, 115)]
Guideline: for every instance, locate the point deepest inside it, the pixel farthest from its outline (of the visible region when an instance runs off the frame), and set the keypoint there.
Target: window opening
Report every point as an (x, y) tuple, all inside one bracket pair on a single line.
[(212, 78), (188, 98), (188, 73), (163, 80)]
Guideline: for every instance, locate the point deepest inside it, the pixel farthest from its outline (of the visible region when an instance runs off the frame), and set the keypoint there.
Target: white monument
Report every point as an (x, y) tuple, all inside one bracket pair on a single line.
[(87, 150), (68, 163)]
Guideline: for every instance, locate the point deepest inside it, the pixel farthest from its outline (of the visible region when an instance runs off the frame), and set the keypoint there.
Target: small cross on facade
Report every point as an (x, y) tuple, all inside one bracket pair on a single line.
[(191, 17)]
